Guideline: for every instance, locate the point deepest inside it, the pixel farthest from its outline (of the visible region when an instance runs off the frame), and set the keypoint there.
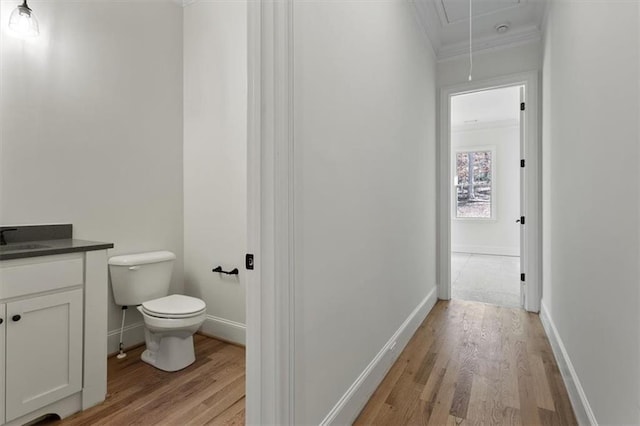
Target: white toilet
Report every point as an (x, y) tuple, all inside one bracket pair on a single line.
[(170, 320)]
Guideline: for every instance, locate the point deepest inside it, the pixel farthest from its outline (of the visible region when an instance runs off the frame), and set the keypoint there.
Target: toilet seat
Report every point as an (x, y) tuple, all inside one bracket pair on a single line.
[(174, 306)]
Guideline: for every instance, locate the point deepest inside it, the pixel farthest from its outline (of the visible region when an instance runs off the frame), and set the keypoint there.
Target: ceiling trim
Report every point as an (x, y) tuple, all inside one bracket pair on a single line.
[(427, 17), (442, 12), (423, 28), (516, 38), (545, 17), (430, 21), (445, 20), (185, 3)]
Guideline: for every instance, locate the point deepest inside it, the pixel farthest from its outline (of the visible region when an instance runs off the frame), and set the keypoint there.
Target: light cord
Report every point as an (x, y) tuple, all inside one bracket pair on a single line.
[(470, 39)]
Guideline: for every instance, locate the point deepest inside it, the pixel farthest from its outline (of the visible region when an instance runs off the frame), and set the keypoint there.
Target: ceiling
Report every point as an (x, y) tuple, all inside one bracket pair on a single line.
[(497, 106), (446, 23)]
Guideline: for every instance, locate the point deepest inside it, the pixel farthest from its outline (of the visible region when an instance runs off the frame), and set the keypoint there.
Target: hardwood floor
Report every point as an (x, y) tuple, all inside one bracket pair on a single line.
[(210, 391), (471, 363)]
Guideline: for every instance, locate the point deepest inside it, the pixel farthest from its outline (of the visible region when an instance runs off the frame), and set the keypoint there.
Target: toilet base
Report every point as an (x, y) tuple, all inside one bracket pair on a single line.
[(167, 352)]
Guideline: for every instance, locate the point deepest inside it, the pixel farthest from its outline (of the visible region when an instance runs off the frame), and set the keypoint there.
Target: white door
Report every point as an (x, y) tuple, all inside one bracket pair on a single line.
[(523, 198), (44, 351)]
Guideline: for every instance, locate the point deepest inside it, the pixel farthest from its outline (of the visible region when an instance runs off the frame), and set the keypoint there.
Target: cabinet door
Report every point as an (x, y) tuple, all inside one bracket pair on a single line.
[(43, 351)]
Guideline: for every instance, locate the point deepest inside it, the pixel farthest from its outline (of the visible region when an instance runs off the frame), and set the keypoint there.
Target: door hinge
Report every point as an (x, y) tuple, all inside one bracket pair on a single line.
[(522, 277), (522, 106), (521, 163), (521, 220), (248, 261)]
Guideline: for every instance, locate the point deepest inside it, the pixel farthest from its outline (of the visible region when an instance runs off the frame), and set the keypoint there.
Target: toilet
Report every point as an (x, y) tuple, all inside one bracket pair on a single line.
[(170, 321)]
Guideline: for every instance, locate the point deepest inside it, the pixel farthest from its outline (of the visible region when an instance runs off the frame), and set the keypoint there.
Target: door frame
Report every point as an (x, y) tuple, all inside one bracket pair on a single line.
[(533, 202), (270, 297)]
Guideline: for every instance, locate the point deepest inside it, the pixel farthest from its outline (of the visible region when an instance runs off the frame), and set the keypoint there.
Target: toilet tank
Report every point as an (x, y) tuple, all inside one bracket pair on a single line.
[(137, 278)]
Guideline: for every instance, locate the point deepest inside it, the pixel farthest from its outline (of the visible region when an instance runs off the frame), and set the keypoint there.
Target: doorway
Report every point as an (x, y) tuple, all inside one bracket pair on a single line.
[(485, 201), (485, 172)]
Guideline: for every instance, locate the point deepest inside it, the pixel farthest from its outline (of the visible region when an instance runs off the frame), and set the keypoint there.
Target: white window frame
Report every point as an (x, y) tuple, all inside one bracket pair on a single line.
[(454, 206)]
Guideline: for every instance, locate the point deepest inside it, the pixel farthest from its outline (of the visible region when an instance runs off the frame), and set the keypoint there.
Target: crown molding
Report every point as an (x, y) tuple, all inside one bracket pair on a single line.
[(545, 17), (149, 2), (527, 35), (424, 30), (444, 18), (185, 3), (425, 13), (430, 17)]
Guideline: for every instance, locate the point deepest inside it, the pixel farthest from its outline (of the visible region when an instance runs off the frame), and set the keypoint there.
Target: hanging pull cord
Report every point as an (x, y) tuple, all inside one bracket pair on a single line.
[(470, 39)]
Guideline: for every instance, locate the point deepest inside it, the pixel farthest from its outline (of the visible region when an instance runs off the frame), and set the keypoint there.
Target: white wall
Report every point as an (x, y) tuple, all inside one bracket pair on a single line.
[(591, 198), (215, 160), (501, 235), (91, 126), (490, 64), (364, 95)]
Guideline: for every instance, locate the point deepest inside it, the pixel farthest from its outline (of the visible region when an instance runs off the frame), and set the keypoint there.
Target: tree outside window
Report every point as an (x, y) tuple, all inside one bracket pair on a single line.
[(474, 184)]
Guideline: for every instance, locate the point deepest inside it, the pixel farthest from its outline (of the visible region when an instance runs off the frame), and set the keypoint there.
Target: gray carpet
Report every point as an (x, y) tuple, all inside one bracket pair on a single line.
[(485, 278)]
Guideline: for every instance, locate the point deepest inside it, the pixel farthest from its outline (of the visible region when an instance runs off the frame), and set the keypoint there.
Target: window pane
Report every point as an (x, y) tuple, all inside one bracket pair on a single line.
[(474, 184)]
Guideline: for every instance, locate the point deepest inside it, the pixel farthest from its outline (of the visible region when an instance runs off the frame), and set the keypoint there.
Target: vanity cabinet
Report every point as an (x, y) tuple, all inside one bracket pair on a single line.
[(52, 335), (43, 351)]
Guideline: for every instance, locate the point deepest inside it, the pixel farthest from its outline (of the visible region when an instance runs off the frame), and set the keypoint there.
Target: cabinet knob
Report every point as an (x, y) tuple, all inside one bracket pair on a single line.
[(16, 317), (1, 320)]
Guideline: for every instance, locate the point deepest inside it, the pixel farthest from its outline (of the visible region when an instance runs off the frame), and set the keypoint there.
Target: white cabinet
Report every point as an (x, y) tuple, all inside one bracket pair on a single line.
[(43, 351), (52, 335)]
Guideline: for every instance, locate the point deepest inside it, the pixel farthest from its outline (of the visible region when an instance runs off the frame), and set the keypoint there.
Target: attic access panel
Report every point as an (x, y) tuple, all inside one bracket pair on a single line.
[(458, 10)]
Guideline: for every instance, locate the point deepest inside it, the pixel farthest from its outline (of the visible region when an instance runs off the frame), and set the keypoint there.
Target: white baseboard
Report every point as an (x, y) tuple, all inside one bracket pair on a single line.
[(224, 329), (213, 326), (133, 335), (578, 398), (358, 394), (497, 251)]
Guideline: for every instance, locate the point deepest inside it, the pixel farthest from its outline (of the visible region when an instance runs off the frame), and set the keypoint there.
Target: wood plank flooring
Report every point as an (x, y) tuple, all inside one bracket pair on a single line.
[(210, 391), (471, 363)]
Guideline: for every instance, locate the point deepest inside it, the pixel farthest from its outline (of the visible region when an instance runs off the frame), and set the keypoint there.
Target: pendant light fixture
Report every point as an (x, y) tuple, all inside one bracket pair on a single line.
[(23, 21)]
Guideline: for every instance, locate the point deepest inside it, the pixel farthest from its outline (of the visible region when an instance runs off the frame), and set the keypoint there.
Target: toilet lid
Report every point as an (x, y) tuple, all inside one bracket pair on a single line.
[(174, 306)]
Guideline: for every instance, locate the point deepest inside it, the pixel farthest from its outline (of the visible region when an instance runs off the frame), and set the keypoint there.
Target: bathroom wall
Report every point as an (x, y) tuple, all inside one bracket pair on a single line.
[(500, 235), (215, 161), (365, 98), (91, 127)]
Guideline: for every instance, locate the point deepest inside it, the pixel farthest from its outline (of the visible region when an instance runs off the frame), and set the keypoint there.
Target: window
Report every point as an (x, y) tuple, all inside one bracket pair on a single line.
[(474, 184)]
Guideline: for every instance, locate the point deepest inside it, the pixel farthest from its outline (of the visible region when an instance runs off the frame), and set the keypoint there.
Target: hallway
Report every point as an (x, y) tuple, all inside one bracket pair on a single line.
[(473, 363)]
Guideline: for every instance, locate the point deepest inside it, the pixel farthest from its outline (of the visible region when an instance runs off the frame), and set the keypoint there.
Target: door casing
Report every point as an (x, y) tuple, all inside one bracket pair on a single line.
[(270, 285), (531, 203)]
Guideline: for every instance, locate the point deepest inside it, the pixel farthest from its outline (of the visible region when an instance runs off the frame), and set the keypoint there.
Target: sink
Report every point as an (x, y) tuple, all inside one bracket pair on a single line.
[(12, 247)]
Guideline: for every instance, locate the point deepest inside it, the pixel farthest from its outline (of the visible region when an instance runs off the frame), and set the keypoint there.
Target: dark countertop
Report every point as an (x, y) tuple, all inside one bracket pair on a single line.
[(20, 250)]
